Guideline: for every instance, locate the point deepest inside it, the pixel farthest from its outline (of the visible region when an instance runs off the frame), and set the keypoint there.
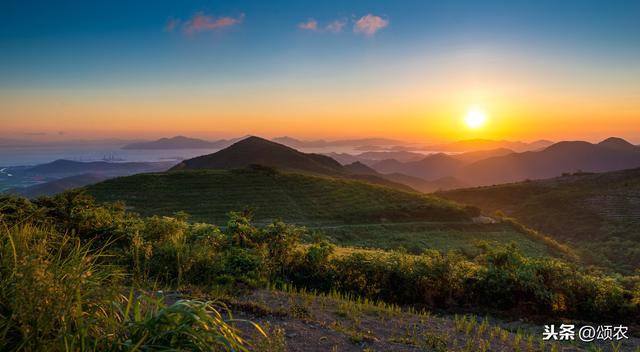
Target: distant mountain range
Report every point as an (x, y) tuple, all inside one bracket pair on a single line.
[(504, 165), (321, 143), (488, 144), (436, 166), (402, 170), (370, 158), (180, 142), (563, 157)]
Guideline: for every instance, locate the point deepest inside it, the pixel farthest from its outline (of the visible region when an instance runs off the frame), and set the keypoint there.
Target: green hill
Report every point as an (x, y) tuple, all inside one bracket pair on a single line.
[(208, 195), (598, 214), (350, 212)]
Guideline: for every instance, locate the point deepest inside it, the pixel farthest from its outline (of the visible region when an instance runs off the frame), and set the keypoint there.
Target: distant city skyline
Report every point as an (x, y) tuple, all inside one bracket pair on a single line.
[(408, 70)]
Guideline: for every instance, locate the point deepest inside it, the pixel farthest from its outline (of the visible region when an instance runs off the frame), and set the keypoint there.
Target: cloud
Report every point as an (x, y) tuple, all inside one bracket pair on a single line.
[(369, 25), (201, 22), (172, 24), (336, 26), (310, 25)]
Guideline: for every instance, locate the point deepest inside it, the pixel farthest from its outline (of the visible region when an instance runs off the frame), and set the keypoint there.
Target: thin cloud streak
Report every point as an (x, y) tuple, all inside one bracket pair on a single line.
[(201, 22), (336, 26), (312, 25)]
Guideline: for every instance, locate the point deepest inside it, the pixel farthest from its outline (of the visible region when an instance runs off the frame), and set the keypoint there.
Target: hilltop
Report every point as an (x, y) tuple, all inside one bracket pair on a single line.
[(598, 214), (259, 151)]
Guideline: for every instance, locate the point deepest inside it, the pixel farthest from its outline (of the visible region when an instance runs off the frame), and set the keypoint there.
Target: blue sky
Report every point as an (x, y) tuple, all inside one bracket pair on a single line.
[(82, 49)]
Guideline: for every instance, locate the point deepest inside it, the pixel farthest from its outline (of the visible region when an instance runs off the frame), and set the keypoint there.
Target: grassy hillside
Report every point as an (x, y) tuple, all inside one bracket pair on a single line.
[(208, 195), (348, 212), (416, 237), (599, 214)]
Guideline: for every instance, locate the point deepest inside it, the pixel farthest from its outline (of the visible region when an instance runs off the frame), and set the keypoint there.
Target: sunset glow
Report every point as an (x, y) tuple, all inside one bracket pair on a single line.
[(475, 118), (322, 69)]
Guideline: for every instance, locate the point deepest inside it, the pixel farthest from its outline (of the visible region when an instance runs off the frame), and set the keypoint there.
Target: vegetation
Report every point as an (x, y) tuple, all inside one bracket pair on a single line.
[(209, 195), (172, 252), (416, 237), (57, 293), (596, 214)]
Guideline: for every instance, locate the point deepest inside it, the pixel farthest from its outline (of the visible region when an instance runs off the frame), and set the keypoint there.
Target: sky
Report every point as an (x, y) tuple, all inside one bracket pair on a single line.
[(320, 69)]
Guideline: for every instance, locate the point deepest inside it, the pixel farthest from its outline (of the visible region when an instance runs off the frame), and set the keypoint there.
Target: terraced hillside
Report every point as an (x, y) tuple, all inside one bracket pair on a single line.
[(599, 214), (349, 212)]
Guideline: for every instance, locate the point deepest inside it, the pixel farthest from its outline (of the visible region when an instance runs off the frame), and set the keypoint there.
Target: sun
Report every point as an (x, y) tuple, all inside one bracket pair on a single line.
[(475, 118)]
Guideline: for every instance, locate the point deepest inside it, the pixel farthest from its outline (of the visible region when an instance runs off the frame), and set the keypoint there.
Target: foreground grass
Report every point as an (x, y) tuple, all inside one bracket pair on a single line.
[(75, 275), (314, 321), (57, 295)]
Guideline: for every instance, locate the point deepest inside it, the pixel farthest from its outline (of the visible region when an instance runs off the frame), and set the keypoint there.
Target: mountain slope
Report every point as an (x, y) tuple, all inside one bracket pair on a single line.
[(210, 194), (487, 144), (471, 157), (259, 151), (432, 167), (559, 158), (596, 213)]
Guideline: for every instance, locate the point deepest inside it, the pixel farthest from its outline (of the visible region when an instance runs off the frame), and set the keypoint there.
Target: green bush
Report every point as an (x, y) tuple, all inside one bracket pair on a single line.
[(172, 252)]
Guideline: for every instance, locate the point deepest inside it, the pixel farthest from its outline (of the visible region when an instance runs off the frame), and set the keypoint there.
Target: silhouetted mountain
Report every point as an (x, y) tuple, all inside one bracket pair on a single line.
[(432, 167), (618, 144), (346, 158), (370, 158), (471, 157), (181, 142), (358, 168), (562, 157), (259, 151), (441, 184), (403, 156), (436, 166), (58, 186), (296, 143), (487, 144)]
